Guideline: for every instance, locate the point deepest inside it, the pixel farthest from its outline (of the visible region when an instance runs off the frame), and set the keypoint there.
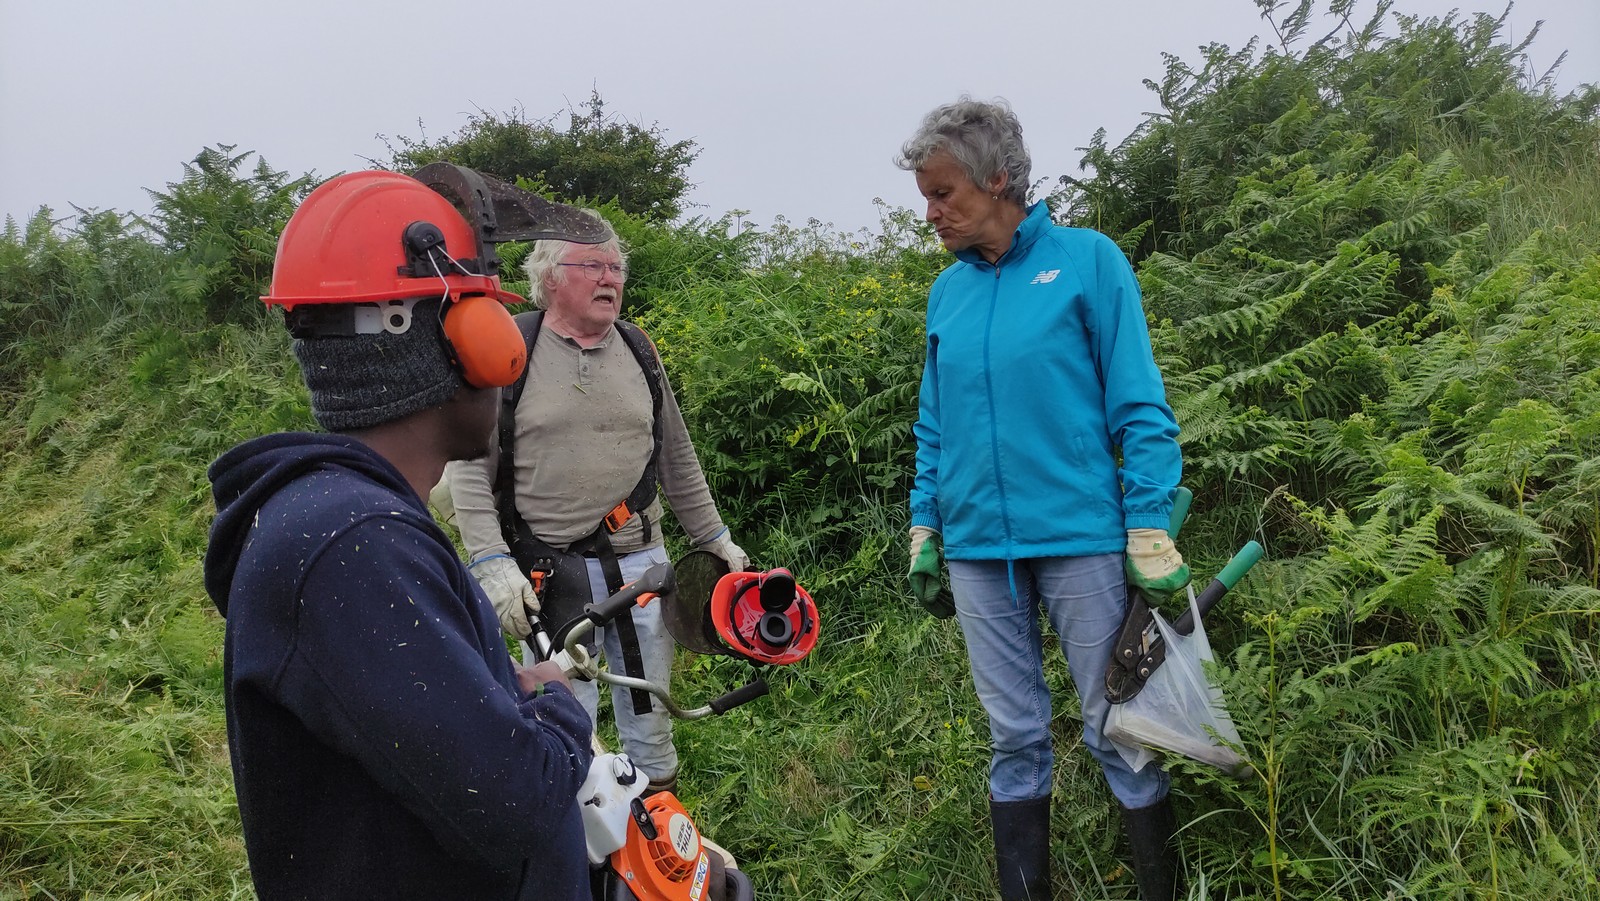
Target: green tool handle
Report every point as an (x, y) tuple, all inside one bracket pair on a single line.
[(1247, 557), (1181, 499)]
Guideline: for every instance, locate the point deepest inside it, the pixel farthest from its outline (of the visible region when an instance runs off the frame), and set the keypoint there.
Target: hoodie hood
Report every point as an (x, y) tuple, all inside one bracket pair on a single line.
[(245, 478)]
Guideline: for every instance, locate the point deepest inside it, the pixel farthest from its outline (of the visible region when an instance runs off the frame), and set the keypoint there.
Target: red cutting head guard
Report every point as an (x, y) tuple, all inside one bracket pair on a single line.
[(765, 617)]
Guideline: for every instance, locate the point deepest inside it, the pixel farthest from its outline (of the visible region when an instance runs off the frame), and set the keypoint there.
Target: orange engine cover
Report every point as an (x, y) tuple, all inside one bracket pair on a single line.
[(673, 865)]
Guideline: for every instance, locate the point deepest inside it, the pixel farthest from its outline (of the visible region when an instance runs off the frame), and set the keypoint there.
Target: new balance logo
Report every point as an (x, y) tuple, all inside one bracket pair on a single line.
[(1045, 277)]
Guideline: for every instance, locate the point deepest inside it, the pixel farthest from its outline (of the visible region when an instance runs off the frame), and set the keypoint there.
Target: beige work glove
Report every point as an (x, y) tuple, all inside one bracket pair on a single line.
[(510, 592), (733, 555), (1153, 562), (444, 506)]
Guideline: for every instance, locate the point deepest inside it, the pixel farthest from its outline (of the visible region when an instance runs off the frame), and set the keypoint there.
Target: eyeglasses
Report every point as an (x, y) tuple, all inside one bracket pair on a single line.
[(593, 269)]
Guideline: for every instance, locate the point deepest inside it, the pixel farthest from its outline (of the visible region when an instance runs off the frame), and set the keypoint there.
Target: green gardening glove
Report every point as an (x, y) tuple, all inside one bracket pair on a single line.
[(927, 576), (1153, 563)]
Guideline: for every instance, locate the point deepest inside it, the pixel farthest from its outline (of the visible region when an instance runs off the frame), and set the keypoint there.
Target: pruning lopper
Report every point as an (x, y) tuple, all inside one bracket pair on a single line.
[(1139, 650)]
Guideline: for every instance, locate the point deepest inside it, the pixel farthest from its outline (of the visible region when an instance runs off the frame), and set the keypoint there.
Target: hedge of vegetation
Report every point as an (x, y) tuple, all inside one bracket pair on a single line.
[(1372, 268)]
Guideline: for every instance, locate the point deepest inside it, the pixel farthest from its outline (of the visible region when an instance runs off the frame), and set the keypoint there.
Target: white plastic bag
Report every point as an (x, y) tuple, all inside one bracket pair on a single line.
[(1177, 707)]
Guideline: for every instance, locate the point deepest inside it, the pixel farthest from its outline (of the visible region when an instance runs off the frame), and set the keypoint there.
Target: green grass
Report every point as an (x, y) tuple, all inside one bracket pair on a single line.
[(1377, 667), (863, 775)]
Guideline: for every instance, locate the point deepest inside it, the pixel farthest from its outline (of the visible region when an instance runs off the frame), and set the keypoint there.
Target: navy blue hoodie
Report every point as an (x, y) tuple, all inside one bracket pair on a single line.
[(381, 747)]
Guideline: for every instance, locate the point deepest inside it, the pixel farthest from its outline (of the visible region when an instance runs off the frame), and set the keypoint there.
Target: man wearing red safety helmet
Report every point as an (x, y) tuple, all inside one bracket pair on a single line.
[(384, 744)]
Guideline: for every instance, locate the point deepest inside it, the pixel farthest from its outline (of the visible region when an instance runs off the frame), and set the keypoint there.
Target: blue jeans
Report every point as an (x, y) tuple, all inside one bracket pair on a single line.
[(1085, 598), (646, 738)]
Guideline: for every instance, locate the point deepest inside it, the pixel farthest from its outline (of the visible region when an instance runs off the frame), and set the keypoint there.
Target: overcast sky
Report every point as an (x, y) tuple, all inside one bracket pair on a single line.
[(797, 108)]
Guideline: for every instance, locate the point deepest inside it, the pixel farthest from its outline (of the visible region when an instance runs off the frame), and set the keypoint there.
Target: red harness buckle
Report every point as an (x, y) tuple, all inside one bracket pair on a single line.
[(618, 517)]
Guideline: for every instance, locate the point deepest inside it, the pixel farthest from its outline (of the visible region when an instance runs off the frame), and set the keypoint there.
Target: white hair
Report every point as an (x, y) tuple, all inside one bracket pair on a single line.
[(542, 260), (985, 138)]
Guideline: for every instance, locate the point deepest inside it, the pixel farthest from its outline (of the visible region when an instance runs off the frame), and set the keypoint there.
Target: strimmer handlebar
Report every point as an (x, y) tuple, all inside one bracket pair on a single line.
[(656, 581), (742, 695), (647, 589)]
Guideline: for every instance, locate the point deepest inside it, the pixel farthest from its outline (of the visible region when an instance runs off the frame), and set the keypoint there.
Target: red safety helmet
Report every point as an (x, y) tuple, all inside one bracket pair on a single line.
[(384, 238), (364, 237)]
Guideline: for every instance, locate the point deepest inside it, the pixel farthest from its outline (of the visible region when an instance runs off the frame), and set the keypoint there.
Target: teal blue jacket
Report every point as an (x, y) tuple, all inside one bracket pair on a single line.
[(1038, 377)]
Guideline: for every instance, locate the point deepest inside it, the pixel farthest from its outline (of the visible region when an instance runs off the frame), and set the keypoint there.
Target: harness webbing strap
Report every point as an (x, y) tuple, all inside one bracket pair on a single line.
[(627, 631), (644, 492)]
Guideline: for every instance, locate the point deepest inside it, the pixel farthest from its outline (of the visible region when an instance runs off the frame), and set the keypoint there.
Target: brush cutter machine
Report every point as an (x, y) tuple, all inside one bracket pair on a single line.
[(649, 848)]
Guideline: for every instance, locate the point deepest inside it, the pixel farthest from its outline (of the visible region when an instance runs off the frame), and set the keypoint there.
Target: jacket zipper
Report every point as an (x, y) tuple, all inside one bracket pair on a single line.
[(994, 426)]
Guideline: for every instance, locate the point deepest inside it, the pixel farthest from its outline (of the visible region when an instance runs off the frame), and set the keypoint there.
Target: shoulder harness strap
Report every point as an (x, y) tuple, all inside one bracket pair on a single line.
[(522, 540), (505, 474), (645, 491)]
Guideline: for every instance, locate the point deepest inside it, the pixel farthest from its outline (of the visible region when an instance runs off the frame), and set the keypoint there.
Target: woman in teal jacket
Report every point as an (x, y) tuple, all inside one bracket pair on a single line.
[(1047, 458)]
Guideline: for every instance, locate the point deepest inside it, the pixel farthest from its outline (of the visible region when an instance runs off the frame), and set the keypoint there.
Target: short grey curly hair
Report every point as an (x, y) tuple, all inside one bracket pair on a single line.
[(983, 136), (542, 260)]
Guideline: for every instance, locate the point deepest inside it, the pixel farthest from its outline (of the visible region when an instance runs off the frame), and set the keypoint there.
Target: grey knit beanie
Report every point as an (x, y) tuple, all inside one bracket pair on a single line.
[(360, 381)]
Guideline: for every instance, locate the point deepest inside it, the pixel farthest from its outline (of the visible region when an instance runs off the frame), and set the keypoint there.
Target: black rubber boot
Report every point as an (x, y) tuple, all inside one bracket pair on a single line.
[(669, 784), (1155, 854), (1022, 848)]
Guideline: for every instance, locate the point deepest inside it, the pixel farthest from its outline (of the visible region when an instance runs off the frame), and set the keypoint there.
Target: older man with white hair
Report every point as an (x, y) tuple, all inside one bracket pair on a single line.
[(586, 446)]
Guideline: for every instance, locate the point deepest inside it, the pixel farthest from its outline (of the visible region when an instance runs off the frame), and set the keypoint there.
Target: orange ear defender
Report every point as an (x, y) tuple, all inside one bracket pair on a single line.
[(483, 342)]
